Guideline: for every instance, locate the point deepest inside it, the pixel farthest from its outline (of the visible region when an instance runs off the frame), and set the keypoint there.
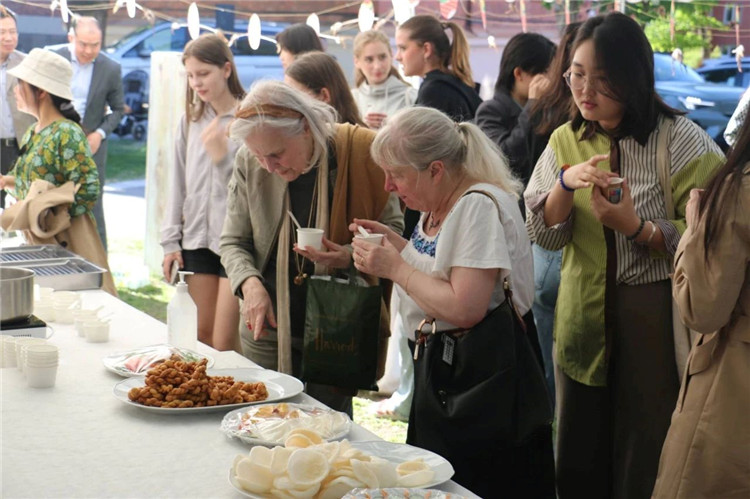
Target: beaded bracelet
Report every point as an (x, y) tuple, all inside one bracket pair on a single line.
[(562, 183), (638, 232)]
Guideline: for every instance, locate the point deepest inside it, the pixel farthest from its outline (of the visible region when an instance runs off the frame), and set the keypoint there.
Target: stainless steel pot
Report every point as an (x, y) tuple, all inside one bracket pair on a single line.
[(16, 293)]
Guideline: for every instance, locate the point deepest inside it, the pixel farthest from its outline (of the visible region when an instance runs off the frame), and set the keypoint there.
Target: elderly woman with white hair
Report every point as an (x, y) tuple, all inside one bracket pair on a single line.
[(469, 239), (294, 157)]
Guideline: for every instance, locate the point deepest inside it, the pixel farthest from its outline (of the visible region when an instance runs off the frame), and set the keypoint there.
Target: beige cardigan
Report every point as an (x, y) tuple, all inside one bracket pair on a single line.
[(707, 450)]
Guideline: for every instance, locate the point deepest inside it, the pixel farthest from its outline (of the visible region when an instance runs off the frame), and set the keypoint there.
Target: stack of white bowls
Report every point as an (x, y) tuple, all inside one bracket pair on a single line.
[(96, 331), (41, 362), (43, 306), (63, 304), (21, 342), (8, 351), (81, 316)]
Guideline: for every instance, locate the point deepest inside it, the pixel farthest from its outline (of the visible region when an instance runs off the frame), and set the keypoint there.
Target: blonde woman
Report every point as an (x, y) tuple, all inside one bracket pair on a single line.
[(378, 88), (452, 269)]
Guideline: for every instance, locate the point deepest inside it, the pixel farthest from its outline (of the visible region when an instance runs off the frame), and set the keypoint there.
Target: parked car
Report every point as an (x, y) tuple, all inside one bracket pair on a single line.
[(723, 70), (710, 105), (133, 52)]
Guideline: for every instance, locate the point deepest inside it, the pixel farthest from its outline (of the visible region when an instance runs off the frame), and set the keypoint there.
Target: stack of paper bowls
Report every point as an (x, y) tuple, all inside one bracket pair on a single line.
[(41, 362)]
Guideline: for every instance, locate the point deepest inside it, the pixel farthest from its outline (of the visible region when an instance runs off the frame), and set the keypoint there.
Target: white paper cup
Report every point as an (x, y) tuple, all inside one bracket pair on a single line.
[(41, 377), (41, 353), (371, 238), (22, 342), (82, 316), (64, 314), (310, 237), (44, 310), (96, 331), (9, 351)]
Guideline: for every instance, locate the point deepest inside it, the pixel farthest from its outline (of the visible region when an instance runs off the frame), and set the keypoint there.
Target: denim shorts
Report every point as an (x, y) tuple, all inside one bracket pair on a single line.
[(203, 261)]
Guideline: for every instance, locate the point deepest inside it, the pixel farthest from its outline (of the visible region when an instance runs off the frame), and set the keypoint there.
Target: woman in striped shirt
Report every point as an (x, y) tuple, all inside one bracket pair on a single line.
[(615, 367)]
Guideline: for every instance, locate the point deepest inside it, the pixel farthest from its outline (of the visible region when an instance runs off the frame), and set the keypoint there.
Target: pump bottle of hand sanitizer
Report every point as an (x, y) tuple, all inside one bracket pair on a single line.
[(182, 317)]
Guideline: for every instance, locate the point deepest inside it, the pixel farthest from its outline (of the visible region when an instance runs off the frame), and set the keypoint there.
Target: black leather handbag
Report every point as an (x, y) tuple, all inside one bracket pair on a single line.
[(481, 401)]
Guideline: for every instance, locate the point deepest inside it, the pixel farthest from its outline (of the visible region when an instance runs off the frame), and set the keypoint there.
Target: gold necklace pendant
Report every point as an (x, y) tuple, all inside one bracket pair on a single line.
[(300, 279)]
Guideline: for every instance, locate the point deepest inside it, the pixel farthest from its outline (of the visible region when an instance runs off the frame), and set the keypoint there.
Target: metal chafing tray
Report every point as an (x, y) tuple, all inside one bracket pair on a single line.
[(36, 252), (54, 267)]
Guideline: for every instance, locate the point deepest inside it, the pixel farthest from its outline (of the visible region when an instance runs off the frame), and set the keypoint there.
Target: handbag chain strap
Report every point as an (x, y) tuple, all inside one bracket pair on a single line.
[(422, 335)]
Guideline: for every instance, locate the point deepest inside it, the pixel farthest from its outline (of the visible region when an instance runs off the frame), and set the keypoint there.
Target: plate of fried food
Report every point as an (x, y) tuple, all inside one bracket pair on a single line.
[(329, 470), (178, 387), (271, 424)]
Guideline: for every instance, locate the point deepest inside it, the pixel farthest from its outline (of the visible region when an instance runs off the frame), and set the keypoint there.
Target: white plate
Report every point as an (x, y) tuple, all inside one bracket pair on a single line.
[(230, 423), (395, 453), (115, 362), (280, 386)]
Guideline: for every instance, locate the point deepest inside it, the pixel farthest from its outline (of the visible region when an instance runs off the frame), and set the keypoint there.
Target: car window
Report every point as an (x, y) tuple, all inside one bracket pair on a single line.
[(126, 39), (667, 69), (721, 76), (161, 40), (242, 47)]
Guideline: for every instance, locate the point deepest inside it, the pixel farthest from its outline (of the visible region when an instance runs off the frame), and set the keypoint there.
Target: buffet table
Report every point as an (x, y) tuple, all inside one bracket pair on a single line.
[(77, 440)]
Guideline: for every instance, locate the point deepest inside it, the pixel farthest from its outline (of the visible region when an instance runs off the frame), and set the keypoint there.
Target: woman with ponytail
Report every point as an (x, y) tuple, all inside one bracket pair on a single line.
[(55, 150), (425, 50), (452, 269)]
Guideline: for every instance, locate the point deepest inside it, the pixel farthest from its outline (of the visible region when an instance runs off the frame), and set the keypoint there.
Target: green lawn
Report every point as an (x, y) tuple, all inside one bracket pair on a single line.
[(126, 160)]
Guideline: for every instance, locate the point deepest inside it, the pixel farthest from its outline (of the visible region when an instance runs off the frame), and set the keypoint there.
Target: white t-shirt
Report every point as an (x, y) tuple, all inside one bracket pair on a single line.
[(473, 236)]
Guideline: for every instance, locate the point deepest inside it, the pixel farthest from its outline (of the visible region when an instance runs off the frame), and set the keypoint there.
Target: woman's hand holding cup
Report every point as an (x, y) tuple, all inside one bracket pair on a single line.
[(336, 257)]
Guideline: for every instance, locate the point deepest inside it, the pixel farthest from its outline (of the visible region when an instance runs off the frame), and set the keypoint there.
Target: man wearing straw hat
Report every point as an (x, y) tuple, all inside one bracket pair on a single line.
[(13, 123), (97, 96)]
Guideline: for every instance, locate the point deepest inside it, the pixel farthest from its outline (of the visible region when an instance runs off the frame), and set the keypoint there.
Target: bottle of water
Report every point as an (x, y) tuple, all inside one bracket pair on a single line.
[(182, 317)]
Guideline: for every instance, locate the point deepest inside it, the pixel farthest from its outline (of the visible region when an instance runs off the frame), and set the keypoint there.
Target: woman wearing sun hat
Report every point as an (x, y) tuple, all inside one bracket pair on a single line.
[(54, 152)]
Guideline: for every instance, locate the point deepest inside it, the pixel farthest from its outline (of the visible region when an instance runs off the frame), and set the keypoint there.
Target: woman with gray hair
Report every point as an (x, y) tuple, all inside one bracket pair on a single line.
[(294, 157), (453, 267)]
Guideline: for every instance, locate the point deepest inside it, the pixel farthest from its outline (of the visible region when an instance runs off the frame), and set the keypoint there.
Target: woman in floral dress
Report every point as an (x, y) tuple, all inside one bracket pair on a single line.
[(55, 149)]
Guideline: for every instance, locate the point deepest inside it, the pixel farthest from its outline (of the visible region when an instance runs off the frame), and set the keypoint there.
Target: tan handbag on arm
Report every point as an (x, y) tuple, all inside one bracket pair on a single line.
[(683, 337)]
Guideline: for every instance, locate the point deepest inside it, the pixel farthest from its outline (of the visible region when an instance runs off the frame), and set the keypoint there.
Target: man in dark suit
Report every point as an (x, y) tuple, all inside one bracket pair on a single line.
[(13, 123), (97, 96)]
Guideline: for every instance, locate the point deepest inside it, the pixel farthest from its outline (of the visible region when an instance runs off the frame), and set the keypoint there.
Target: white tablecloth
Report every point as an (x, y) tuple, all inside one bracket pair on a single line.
[(77, 440)]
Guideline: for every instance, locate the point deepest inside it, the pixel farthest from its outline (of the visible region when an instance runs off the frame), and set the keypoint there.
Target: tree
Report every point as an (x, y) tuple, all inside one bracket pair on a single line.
[(693, 28)]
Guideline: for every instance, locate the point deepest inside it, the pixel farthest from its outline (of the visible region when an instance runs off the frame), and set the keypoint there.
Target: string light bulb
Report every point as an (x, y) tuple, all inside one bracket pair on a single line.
[(314, 23), (130, 6), (366, 17), (402, 10), (253, 32), (194, 21)]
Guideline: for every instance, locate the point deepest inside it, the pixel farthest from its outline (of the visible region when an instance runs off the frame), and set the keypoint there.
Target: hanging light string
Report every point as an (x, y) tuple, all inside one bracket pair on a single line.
[(511, 16)]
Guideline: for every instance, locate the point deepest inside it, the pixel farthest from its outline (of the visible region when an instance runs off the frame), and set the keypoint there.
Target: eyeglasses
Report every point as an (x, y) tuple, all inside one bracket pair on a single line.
[(577, 81)]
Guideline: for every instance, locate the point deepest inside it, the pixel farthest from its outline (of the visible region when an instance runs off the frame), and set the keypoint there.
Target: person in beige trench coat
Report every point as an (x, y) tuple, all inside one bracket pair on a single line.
[(707, 450)]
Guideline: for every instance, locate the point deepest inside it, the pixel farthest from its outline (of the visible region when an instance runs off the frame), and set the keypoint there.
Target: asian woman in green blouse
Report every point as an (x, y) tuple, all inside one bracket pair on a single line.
[(616, 375)]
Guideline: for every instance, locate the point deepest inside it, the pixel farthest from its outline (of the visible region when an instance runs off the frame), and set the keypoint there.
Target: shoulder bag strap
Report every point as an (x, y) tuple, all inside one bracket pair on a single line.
[(662, 163), (506, 283)]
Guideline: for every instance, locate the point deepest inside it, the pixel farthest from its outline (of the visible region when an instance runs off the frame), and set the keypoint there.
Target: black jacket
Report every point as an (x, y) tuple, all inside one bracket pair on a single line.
[(511, 127), (448, 94)]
